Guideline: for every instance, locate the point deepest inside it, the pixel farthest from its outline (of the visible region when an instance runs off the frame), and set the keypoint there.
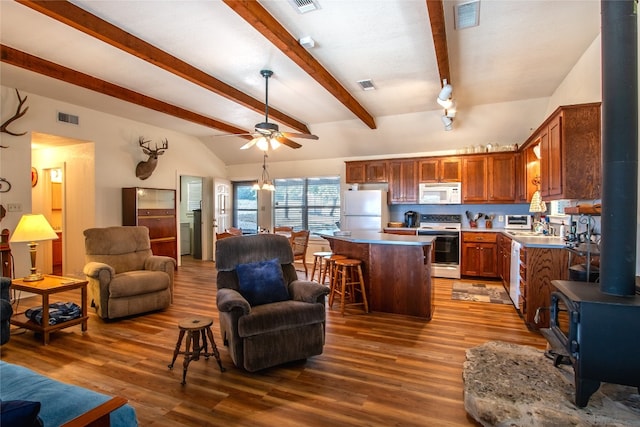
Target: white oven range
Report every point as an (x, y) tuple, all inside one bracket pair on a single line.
[(445, 253)]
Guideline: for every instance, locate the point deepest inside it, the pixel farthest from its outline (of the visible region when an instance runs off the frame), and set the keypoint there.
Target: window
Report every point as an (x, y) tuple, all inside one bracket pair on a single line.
[(245, 201), (307, 203)]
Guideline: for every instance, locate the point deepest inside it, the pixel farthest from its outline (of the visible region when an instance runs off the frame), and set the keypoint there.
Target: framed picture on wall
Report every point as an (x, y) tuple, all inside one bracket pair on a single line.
[(34, 176)]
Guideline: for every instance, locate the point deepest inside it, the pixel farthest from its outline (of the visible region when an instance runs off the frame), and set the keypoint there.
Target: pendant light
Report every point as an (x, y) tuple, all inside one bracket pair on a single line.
[(264, 183)]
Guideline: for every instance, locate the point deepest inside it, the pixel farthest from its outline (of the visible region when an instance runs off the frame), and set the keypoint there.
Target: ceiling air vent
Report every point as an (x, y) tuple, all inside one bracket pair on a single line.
[(366, 84), (68, 118), (467, 15), (304, 6)]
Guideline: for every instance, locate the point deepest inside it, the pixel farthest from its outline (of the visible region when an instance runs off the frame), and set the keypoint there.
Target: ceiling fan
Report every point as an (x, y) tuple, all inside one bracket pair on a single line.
[(267, 135)]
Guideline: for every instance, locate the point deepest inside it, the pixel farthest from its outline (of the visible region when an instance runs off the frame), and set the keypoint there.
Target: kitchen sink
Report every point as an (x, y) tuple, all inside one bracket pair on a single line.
[(527, 234)]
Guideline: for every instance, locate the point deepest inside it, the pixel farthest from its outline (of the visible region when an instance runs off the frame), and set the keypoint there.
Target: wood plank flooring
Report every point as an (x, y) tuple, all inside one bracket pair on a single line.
[(376, 370)]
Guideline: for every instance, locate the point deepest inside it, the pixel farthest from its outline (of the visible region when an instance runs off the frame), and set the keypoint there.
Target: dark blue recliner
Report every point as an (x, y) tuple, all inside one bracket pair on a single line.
[(5, 309)]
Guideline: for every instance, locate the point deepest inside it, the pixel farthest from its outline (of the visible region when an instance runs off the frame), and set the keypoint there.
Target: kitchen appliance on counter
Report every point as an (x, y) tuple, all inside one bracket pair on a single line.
[(445, 253), (364, 210), (411, 219), (440, 193), (517, 222)]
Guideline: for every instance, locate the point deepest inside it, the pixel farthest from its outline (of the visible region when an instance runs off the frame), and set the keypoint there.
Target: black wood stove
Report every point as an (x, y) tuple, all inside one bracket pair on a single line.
[(597, 325)]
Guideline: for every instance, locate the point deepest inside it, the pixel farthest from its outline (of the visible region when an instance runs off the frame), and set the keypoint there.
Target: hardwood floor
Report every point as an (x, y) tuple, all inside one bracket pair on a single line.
[(376, 370)]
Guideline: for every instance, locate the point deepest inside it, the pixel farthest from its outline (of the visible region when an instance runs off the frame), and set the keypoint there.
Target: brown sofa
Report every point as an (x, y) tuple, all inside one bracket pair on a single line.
[(271, 333), (125, 278)]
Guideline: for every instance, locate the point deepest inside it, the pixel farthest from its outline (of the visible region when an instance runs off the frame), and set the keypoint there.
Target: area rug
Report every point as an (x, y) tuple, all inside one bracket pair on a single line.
[(514, 385), (480, 292)]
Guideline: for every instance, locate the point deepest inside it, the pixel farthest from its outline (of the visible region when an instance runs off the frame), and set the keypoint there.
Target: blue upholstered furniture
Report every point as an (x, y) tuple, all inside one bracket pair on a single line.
[(60, 402), (5, 309)]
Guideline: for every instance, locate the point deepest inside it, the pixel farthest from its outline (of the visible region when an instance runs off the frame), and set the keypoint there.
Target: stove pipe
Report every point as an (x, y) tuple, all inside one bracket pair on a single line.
[(619, 147)]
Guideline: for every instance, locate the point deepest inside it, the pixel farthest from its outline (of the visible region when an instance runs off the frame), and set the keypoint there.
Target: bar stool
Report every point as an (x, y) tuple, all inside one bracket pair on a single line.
[(318, 263), (348, 274), (195, 327), (329, 267)]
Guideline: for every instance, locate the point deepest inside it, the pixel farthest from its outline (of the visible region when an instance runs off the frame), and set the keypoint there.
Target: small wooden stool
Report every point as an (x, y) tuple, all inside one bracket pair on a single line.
[(329, 267), (317, 263), (195, 327), (346, 280)]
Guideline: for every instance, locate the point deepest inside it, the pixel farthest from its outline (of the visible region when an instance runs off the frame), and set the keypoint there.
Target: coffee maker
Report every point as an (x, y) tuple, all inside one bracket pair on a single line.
[(411, 218)]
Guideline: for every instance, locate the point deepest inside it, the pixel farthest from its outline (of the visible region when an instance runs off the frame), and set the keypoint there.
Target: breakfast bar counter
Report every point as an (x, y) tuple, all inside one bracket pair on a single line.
[(396, 269)]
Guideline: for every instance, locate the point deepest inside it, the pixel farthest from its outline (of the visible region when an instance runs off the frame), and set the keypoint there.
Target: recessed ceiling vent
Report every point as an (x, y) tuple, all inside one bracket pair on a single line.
[(366, 84), (304, 6), (68, 118), (467, 15)]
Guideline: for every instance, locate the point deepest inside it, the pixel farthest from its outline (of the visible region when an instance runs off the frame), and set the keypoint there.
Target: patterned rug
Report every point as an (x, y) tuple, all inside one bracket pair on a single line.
[(480, 292)]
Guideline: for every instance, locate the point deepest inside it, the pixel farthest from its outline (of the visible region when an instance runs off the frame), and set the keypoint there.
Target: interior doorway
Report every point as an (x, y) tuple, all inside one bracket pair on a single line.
[(191, 218)]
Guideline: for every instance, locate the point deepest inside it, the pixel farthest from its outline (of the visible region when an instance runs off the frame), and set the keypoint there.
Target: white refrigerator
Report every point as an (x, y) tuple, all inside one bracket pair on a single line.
[(364, 210)]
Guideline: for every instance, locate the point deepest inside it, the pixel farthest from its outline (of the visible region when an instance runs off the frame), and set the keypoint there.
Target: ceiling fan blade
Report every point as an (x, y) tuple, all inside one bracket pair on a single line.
[(249, 144), (232, 134), (298, 135), (286, 141)]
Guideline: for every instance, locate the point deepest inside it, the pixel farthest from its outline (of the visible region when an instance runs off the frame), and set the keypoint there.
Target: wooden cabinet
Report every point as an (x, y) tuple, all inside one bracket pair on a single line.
[(570, 158), (155, 209), (436, 169), (403, 181), (501, 183), (504, 260), (488, 178), (538, 267), (479, 254), (363, 172), (474, 179)]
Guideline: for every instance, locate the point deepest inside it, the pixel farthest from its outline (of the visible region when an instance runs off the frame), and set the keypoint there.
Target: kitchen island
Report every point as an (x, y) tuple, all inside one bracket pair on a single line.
[(396, 270)]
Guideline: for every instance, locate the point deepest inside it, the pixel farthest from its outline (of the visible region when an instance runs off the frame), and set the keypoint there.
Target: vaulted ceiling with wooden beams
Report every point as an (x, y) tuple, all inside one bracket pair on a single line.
[(194, 67)]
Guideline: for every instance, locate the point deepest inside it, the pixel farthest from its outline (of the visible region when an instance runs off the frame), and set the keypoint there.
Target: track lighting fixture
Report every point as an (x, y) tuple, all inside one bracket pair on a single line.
[(445, 101)]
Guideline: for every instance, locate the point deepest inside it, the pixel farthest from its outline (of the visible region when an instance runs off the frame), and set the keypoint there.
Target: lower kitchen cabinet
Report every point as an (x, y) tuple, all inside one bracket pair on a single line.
[(504, 260), (479, 254), (538, 267)]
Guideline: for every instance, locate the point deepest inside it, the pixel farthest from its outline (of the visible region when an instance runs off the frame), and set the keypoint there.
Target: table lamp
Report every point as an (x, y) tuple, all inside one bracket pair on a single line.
[(33, 228)]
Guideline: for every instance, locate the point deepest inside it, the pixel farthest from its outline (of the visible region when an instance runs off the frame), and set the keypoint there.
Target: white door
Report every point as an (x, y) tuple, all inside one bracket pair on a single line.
[(222, 205)]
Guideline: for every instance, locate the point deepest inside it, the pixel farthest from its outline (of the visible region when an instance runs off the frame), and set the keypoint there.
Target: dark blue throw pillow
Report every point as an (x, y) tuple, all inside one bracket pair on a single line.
[(262, 282), (19, 413)]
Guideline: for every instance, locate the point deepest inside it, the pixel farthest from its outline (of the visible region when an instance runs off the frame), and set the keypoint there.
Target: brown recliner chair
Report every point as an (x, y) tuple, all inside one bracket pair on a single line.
[(125, 278), (267, 316)]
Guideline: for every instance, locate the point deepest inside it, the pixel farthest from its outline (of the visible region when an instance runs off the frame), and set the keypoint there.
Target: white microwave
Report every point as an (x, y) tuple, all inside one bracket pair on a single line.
[(517, 222), (441, 193)]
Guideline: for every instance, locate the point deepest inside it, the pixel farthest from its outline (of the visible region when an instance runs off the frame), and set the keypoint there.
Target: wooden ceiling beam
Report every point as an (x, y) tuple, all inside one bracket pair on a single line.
[(84, 21), (258, 17), (435, 9), (38, 65)]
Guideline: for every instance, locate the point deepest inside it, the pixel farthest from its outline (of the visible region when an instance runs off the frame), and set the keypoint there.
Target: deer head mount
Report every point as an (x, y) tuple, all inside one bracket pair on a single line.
[(145, 168), (16, 116)]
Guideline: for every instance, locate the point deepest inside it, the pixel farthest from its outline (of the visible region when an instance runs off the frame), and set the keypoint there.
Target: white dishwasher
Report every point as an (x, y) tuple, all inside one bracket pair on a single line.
[(514, 279)]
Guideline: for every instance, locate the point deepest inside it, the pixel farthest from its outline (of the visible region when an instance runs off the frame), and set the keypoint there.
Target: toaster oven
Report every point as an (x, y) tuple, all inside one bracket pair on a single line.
[(517, 222)]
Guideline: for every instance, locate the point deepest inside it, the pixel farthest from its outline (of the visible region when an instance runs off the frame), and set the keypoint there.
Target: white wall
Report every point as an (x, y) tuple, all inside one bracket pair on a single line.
[(116, 153)]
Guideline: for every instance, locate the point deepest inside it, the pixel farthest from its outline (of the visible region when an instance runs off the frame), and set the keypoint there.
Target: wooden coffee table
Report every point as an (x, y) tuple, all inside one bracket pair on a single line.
[(48, 286)]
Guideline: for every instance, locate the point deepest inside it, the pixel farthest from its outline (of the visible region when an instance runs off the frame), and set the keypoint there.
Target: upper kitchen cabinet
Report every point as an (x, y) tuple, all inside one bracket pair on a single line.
[(403, 181), (570, 142), (488, 178), (441, 169), (363, 172)]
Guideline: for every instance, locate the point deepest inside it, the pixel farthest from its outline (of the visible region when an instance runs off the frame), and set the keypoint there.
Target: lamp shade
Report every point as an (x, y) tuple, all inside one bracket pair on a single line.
[(537, 204), (33, 228)]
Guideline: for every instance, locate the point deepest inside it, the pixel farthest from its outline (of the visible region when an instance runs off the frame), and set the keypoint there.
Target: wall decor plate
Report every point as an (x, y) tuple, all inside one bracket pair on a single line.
[(34, 176)]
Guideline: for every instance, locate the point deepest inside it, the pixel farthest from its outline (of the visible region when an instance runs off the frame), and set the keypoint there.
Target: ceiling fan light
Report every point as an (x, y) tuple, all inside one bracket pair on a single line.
[(262, 143), (274, 143)]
